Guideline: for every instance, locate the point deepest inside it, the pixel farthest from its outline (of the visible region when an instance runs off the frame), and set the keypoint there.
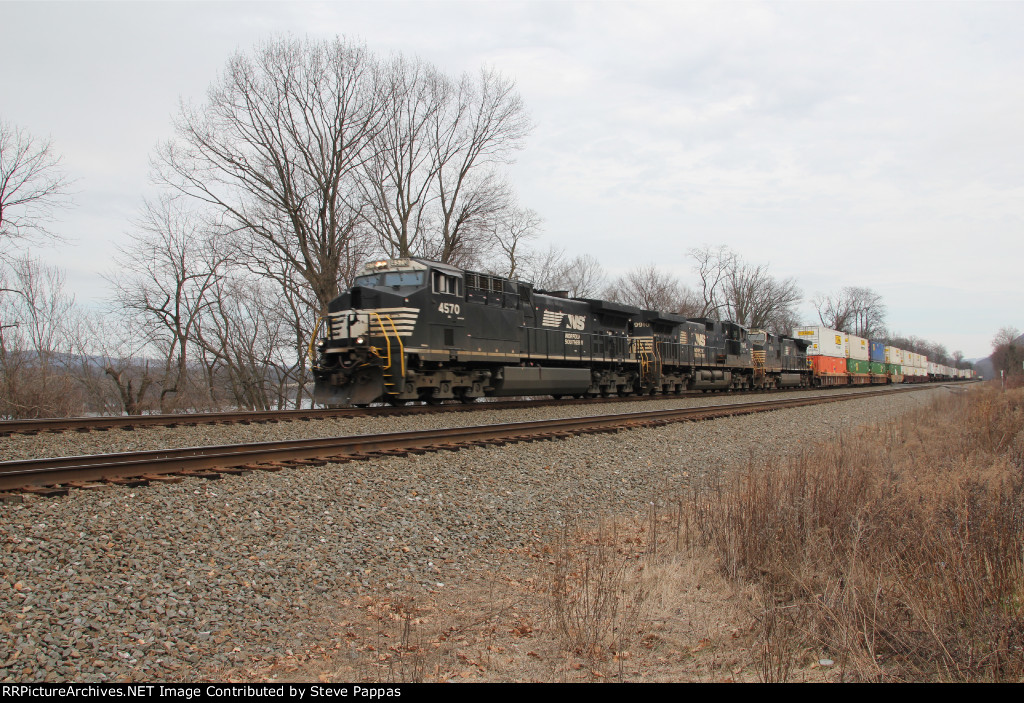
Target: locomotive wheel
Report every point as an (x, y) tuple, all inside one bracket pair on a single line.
[(466, 399)]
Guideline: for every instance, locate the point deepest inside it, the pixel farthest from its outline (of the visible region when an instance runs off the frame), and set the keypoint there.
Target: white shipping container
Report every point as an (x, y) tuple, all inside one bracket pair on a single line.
[(824, 341), (857, 348), (893, 355)]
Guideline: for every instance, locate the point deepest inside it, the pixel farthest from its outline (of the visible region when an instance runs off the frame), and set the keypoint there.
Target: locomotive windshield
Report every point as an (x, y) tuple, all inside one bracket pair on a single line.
[(391, 279)]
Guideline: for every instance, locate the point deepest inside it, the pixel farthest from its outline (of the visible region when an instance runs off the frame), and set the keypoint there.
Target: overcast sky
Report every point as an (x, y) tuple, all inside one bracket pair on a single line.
[(873, 144)]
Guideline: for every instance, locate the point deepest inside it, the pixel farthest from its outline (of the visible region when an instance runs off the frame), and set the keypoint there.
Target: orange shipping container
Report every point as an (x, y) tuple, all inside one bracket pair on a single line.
[(826, 364)]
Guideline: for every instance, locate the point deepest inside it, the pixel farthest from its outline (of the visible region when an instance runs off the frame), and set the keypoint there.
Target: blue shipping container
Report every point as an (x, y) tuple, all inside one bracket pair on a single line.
[(877, 352)]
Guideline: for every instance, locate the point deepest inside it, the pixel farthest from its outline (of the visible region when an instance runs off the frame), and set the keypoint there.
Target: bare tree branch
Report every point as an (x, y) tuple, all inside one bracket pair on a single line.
[(854, 310), (32, 186), (714, 267), (276, 149), (650, 289)]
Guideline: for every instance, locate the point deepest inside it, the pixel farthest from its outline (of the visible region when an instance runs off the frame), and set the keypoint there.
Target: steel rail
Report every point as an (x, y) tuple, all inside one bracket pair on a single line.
[(129, 422), (15, 475)]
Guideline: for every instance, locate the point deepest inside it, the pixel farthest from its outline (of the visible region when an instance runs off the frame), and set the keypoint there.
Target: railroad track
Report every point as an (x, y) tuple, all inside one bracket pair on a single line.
[(253, 417), (247, 417), (55, 476)]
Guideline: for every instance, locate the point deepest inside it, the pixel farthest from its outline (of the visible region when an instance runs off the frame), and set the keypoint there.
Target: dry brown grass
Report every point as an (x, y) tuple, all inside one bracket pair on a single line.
[(896, 550)]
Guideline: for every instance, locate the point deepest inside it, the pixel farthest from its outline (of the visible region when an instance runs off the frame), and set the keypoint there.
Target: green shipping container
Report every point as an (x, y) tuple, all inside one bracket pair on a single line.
[(895, 369), (857, 366), (877, 367)]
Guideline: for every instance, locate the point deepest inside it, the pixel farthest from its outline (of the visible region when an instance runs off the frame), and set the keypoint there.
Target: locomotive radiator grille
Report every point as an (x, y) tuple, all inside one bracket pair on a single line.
[(349, 324)]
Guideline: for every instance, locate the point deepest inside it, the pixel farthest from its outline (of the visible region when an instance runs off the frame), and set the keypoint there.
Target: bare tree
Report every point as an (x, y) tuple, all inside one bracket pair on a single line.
[(399, 175), (108, 360), (510, 232), (714, 268), (583, 277), (756, 299), (1008, 351), (482, 124), (32, 186), (34, 344), (868, 313), (166, 276), (276, 149), (543, 268), (650, 289), (854, 310), (834, 311), (580, 277), (248, 341)]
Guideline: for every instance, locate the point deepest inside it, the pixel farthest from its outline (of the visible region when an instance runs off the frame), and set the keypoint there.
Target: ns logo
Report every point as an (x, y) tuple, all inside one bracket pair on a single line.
[(553, 318)]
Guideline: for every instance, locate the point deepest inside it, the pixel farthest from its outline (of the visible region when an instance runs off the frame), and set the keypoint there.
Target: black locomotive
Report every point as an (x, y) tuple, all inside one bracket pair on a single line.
[(412, 329)]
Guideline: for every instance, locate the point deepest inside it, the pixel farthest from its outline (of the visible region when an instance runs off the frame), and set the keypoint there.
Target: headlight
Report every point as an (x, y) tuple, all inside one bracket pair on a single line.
[(360, 341)]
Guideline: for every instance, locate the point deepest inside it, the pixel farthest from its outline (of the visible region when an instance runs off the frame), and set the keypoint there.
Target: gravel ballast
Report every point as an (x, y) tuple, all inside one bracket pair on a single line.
[(17, 447), (170, 582)]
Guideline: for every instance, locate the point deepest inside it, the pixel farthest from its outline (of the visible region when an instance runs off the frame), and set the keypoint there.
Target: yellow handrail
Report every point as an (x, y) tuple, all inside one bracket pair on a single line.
[(312, 338), (387, 339), (401, 345)]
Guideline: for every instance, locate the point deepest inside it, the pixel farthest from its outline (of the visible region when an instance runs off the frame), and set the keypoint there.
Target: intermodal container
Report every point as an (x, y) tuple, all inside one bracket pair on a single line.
[(877, 367), (893, 355), (894, 369), (858, 366), (827, 364), (877, 352), (823, 341), (856, 347)]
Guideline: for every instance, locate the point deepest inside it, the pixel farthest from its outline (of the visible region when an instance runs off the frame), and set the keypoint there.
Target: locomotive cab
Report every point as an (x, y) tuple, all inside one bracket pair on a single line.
[(367, 330)]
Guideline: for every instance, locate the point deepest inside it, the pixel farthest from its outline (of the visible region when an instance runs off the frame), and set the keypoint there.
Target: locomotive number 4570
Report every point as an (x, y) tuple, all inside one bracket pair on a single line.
[(449, 308)]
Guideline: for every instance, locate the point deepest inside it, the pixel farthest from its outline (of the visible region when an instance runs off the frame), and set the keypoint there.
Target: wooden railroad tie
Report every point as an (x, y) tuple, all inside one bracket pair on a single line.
[(47, 491), (85, 485), (269, 466), (131, 482), (163, 478), (201, 473)]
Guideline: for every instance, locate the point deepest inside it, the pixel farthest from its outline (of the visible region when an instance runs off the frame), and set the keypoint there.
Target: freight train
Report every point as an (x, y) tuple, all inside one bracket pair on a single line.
[(412, 329)]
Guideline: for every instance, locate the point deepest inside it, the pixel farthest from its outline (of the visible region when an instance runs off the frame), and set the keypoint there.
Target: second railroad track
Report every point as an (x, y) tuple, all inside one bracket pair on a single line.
[(58, 475)]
